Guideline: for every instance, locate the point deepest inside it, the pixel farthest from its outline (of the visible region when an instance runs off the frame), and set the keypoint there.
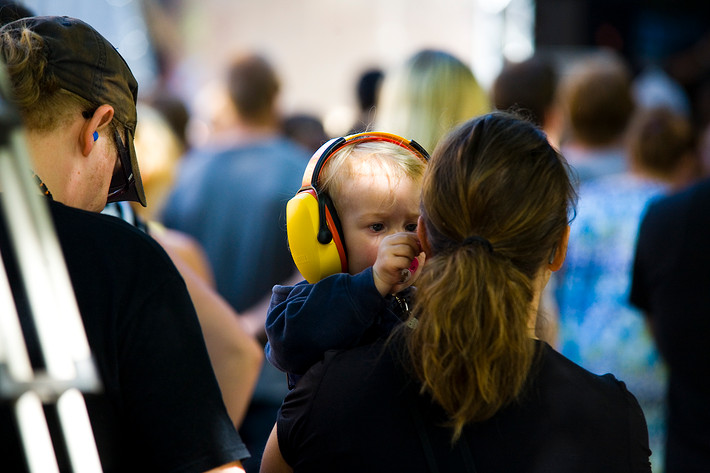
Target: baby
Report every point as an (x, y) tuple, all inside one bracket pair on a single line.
[(374, 181)]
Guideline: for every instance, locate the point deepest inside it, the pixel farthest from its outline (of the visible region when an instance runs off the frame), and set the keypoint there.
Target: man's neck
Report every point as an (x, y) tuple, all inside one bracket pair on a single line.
[(242, 134)]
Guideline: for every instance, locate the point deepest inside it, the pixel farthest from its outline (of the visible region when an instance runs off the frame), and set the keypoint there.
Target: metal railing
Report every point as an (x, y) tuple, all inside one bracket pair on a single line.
[(68, 366)]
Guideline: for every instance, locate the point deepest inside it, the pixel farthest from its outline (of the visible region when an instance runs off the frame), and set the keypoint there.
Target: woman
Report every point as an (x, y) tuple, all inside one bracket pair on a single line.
[(464, 385), (599, 329)]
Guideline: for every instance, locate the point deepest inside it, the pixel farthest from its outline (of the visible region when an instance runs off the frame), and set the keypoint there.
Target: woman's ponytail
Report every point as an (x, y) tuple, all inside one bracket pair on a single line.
[(471, 348), (496, 200)]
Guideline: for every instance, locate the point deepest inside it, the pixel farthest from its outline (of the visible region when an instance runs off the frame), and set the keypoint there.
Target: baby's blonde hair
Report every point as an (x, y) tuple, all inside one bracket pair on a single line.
[(391, 159)]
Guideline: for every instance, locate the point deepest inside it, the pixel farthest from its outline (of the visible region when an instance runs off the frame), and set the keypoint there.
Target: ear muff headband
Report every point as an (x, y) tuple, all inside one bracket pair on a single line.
[(314, 232)]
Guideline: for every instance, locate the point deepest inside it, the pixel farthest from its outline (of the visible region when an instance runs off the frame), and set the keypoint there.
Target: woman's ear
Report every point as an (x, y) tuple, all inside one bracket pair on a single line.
[(560, 251), (421, 233), (92, 126)]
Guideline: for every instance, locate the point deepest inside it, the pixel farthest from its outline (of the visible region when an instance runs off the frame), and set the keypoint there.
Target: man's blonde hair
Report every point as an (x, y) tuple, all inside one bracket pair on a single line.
[(41, 102)]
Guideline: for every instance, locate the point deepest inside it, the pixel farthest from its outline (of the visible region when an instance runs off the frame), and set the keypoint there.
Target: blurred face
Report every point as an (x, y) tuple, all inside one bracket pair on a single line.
[(372, 205)]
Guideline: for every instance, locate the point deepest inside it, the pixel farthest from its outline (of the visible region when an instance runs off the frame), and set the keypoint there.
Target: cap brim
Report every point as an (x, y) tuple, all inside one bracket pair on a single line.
[(136, 192)]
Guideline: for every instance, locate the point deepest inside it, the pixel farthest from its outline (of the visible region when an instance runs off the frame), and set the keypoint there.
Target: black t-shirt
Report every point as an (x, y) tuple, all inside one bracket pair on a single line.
[(353, 412), (161, 408), (671, 284)]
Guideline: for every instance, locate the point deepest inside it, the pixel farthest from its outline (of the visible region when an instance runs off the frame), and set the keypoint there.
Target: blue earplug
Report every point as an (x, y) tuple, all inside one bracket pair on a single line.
[(96, 135)]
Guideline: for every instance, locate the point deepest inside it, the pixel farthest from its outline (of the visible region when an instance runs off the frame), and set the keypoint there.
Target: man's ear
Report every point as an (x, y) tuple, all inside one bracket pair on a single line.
[(423, 239), (93, 126), (560, 251)]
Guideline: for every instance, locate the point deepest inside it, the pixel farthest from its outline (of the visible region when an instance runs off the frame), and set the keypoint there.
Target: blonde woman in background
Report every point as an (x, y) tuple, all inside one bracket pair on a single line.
[(428, 96), (160, 150)]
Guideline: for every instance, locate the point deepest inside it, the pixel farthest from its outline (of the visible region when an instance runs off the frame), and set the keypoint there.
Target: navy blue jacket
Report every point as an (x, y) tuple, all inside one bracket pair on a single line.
[(341, 311)]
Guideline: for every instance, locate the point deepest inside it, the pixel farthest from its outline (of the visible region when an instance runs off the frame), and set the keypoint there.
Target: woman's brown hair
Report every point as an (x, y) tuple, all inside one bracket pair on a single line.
[(496, 201)]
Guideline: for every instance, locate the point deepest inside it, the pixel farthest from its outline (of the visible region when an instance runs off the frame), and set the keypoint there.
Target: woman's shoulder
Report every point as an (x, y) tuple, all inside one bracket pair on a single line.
[(570, 395), (569, 419), (556, 372)]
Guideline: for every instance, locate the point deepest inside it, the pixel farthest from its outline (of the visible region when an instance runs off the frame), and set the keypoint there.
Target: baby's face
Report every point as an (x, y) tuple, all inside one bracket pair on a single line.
[(372, 206)]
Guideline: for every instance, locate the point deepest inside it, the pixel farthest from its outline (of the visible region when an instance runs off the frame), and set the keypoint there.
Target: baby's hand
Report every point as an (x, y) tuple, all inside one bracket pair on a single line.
[(398, 258)]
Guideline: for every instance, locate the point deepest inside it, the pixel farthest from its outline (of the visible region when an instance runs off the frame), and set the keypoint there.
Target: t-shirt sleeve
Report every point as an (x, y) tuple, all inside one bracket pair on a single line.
[(314, 318), (170, 391), (639, 451)]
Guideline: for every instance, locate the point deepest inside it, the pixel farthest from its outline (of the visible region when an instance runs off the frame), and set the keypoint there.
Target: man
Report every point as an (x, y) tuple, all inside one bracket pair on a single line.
[(530, 86), (597, 103), (160, 408), (231, 196)]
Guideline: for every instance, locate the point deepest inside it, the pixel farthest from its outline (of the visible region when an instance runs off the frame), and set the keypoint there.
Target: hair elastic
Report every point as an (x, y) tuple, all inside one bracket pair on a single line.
[(478, 240)]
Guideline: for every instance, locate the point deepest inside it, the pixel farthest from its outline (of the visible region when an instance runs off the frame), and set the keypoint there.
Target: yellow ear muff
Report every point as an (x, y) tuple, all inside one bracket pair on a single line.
[(313, 259)]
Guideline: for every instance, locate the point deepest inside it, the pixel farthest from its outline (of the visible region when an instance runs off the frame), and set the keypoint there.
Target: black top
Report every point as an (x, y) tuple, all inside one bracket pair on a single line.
[(671, 284), (161, 409), (353, 412)]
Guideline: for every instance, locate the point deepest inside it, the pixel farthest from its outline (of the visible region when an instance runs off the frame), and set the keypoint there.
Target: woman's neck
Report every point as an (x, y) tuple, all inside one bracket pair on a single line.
[(539, 284)]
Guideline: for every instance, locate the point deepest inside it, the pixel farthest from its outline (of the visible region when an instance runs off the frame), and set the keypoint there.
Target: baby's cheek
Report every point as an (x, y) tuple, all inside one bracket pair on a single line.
[(371, 255), (362, 255)]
